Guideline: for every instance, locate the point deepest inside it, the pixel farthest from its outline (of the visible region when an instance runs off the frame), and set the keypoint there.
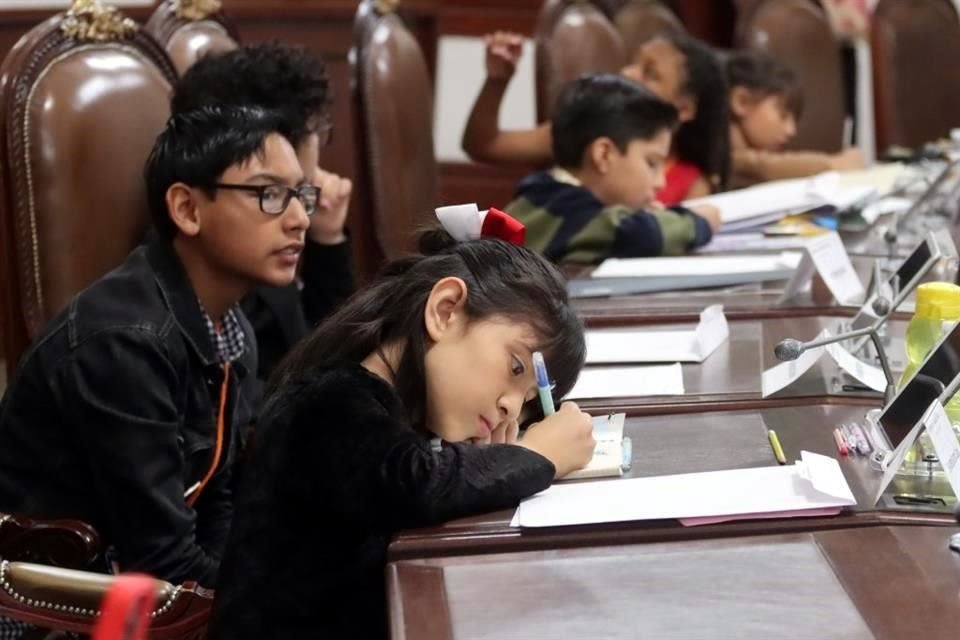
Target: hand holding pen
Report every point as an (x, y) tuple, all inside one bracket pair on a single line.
[(564, 437)]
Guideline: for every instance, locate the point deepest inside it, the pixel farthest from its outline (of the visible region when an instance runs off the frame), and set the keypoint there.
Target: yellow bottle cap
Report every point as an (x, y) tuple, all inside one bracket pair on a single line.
[(938, 301)]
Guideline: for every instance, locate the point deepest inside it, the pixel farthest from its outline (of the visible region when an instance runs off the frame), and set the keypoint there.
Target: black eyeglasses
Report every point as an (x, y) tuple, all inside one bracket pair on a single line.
[(274, 198)]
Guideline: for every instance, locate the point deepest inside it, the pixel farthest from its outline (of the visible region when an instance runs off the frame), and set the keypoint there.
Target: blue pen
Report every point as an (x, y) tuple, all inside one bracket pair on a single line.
[(543, 384)]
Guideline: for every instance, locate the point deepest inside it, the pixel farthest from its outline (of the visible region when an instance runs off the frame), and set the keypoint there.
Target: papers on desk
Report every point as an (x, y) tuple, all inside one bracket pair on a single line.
[(612, 346), (771, 201), (813, 483), (731, 242), (626, 276), (628, 382)]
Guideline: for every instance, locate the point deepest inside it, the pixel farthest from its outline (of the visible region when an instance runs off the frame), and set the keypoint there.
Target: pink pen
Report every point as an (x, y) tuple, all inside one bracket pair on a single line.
[(841, 443)]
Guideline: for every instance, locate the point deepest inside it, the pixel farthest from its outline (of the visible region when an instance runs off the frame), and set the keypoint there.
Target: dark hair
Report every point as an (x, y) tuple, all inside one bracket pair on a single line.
[(764, 75), (196, 147), (272, 76), (502, 279), (705, 140), (605, 105)]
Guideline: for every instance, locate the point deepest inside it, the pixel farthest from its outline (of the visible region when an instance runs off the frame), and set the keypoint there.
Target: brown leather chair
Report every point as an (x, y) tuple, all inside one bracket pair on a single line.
[(572, 37), (393, 94), (190, 29), (82, 97), (641, 20), (797, 33), (68, 600), (916, 82)]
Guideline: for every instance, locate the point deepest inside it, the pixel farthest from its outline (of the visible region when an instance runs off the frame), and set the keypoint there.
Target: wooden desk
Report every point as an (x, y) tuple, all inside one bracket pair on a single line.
[(731, 376), (684, 444), (744, 302), (883, 583)]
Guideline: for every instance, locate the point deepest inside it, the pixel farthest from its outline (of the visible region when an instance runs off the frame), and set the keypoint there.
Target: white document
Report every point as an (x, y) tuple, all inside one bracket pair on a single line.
[(945, 443), (729, 242), (770, 201), (826, 255), (621, 382), (815, 482), (696, 265), (786, 373), (612, 346), (868, 374)]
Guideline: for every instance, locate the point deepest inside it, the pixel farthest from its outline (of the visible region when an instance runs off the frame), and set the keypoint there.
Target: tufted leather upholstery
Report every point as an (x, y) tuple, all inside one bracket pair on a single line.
[(394, 96), (797, 33), (640, 20), (190, 29), (72, 149), (915, 44), (572, 38), (68, 600)]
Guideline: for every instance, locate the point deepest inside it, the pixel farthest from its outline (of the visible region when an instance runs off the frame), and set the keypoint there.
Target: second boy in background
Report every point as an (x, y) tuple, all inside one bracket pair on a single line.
[(611, 139)]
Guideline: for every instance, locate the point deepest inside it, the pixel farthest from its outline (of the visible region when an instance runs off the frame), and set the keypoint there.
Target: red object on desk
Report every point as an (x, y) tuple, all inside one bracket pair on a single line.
[(125, 614), (841, 442)]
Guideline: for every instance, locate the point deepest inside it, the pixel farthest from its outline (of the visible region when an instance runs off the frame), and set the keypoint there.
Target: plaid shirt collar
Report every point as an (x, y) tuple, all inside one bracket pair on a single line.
[(230, 342)]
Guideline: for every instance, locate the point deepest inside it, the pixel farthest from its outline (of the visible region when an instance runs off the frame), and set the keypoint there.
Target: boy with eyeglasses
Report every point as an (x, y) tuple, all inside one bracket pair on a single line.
[(293, 81), (126, 412)]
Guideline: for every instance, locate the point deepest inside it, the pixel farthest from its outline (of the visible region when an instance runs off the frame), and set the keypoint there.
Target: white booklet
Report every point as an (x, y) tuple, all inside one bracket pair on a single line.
[(610, 456)]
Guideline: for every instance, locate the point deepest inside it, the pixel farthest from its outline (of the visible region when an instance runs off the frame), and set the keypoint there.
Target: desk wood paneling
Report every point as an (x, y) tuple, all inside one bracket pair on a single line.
[(799, 428), (731, 376), (884, 583)]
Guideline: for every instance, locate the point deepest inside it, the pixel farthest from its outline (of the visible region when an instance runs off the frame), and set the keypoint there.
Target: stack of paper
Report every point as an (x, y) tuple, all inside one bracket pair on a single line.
[(626, 276), (609, 457), (814, 483), (611, 346), (771, 201)]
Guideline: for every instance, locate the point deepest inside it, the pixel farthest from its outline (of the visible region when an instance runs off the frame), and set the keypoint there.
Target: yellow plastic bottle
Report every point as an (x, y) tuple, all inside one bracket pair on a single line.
[(938, 307)]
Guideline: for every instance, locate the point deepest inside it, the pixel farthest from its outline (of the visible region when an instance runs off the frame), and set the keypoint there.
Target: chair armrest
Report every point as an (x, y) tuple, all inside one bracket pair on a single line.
[(62, 543)]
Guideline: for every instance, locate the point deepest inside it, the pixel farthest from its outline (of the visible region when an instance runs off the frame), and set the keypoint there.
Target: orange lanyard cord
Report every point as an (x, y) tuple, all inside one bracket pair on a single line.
[(218, 449)]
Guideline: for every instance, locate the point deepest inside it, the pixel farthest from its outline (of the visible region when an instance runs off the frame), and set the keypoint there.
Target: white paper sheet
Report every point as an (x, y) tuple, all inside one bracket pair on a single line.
[(784, 374), (944, 443), (815, 482), (726, 243), (696, 265), (826, 255), (625, 382), (868, 374), (608, 455), (629, 345)]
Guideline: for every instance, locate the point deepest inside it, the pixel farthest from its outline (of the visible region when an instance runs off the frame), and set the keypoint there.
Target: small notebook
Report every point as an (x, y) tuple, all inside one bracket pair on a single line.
[(613, 452)]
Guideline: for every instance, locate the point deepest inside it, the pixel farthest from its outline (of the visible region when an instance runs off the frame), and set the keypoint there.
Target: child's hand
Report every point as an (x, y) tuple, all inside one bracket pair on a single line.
[(848, 160), (503, 53), (326, 225), (709, 213), (565, 439)]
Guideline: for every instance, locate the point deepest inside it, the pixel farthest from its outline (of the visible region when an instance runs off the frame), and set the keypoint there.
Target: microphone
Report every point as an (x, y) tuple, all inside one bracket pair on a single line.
[(881, 306), (789, 349)]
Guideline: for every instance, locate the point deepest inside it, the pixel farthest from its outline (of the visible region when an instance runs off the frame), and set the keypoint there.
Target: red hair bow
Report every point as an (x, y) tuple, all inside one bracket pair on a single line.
[(466, 222), (125, 614)]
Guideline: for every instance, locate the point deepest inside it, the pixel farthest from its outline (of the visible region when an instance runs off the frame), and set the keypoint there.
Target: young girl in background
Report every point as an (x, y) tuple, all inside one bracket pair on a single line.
[(439, 347), (765, 103), (678, 69)]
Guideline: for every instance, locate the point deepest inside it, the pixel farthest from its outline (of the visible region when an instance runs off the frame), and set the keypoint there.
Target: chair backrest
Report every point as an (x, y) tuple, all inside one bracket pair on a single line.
[(572, 37), (916, 82), (82, 98), (797, 33), (70, 544), (394, 98), (69, 600), (190, 29), (641, 20)]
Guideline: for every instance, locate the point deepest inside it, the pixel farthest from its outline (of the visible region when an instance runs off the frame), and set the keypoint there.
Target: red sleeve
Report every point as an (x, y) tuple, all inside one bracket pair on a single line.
[(680, 177)]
